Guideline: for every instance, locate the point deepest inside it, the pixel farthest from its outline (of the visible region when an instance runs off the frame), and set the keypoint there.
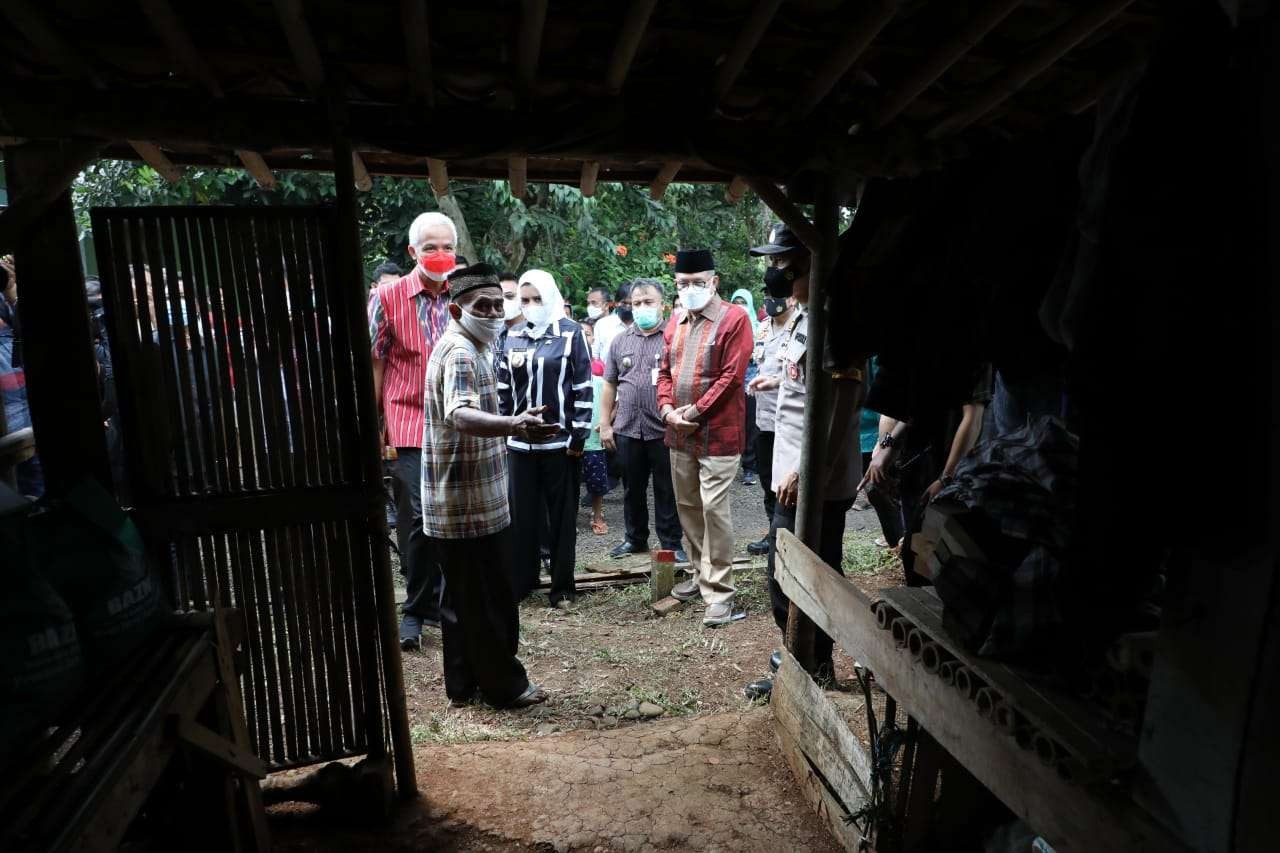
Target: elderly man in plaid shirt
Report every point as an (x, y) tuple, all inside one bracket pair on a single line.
[(464, 497), (704, 409)]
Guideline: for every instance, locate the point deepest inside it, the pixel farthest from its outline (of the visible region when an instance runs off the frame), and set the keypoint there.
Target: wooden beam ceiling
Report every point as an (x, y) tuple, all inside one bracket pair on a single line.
[(842, 57), (1056, 45), (439, 175), (156, 159), (302, 45), (258, 168), (517, 174), (665, 176), (778, 202), (744, 44), (629, 38), (35, 28), (533, 18), (169, 28), (417, 49), (363, 182), (943, 57)]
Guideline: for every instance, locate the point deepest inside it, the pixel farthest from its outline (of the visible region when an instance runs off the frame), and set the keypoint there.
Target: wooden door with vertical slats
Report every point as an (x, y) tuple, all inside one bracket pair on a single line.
[(233, 353)]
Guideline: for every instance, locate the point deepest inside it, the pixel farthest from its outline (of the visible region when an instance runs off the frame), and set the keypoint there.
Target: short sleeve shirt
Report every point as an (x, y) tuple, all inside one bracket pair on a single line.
[(846, 468), (632, 366), (464, 477), (768, 358)]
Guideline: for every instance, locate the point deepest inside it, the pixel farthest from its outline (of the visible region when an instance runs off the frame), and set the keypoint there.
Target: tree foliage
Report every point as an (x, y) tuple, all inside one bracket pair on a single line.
[(617, 235)]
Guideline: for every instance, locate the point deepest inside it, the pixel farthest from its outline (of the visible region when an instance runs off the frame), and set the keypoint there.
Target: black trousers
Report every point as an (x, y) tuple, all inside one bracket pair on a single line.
[(641, 459), (543, 490), (481, 624), (764, 466), (831, 550), (419, 560), (750, 458)]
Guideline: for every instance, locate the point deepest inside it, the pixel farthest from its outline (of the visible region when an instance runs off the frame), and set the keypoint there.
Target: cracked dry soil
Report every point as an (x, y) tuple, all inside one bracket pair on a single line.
[(572, 775)]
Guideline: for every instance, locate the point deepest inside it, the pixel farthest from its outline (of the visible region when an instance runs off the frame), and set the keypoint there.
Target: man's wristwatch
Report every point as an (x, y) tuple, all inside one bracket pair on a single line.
[(887, 440)]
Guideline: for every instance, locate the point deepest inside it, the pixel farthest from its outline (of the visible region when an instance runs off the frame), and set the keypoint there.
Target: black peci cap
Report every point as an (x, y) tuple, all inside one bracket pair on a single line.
[(781, 239), (694, 260)]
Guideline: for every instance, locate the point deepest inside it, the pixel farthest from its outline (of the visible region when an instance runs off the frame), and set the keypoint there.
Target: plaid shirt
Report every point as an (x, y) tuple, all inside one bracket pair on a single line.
[(703, 364), (632, 366), (405, 322), (464, 477)]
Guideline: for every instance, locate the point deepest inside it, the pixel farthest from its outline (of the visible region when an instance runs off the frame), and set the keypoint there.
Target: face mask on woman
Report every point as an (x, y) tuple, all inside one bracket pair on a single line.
[(483, 329), (695, 298), (536, 314), (647, 316), (438, 264)]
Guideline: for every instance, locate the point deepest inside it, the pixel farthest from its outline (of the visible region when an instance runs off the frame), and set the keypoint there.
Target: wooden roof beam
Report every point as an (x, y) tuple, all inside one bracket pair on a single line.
[(360, 174), (778, 202), (35, 28), (844, 55), (517, 175), (942, 58), (169, 28), (735, 190), (417, 49), (302, 45), (156, 159), (629, 38), (1057, 45), (753, 29), (665, 176), (439, 176), (533, 19), (587, 183), (258, 168)]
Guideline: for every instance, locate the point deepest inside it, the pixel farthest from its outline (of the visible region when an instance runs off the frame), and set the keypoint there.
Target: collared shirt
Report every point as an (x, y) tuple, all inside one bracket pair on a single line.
[(606, 329), (703, 364), (634, 360), (464, 477), (788, 432), (768, 357), (553, 371), (405, 321)]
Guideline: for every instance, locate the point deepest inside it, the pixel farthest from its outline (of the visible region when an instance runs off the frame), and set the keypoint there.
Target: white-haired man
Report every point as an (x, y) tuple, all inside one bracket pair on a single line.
[(406, 318)]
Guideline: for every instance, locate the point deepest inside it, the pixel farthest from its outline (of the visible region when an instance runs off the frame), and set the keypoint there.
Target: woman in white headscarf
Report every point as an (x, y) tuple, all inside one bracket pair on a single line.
[(545, 365)]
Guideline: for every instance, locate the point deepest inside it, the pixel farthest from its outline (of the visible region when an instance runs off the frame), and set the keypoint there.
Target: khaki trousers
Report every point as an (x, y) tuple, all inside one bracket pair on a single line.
[(702, 499)]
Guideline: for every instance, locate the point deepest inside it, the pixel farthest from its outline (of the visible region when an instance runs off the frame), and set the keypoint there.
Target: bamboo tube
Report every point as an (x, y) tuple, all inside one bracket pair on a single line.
[(915, 642), (966, 682), (932, 657), (1048, 751), (900, 628), (947, 671), (884, 614), (987, 700)]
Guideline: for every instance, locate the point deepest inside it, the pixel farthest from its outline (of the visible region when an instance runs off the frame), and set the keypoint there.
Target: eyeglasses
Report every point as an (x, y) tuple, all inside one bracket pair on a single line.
[(692, 282)]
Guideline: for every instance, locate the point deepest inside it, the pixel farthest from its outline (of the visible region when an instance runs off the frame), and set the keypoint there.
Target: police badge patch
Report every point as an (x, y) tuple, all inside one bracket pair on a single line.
[(626, 362), (517, 359)]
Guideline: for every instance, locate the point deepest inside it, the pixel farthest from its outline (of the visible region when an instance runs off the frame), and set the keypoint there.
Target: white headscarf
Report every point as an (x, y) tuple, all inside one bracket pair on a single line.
[(551, 298)]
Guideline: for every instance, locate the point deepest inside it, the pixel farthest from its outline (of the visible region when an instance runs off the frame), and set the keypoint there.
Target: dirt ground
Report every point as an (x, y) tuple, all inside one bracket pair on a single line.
[(647, 741)]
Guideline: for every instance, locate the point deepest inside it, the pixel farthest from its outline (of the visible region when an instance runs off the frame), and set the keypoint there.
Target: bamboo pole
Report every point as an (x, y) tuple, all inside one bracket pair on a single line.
[(590, 171), (517, 175)]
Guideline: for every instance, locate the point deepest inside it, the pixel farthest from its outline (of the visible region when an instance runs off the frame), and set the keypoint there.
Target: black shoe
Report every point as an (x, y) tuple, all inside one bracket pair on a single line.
[(758, 549), (759, 689), (775, 661), (626, 549), (410, 632)]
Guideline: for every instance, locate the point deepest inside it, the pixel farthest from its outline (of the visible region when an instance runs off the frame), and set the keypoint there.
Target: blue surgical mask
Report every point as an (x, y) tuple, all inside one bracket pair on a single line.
[(647, 316)]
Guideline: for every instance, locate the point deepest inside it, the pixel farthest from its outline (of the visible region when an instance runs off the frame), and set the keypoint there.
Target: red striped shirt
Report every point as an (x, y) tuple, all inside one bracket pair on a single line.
[(405, 321)]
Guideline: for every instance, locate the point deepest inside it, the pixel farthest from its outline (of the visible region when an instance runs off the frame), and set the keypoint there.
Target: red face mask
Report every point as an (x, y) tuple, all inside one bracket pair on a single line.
[(437, 264)]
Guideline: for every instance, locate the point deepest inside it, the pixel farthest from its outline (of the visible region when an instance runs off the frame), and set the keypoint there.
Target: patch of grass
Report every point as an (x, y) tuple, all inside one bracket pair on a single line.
[(753, 589), (606, 654), (442, 728), (862, 556), (687, 702)]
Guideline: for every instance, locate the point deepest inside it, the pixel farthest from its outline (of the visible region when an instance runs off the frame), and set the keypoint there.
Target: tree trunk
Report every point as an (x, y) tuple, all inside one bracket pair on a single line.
[(449, 207)]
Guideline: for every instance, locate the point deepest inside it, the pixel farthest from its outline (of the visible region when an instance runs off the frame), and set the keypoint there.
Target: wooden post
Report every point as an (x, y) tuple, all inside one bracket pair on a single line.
[(350, 274), (817, 413), (62, 374)]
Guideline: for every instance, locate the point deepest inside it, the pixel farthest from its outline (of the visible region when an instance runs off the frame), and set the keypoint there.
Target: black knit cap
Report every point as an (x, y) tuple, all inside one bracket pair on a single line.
[(694, 260), (472, 278)]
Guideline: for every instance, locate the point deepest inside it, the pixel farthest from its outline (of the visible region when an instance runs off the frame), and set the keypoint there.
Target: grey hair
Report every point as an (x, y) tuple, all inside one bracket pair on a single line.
[(427, 220)]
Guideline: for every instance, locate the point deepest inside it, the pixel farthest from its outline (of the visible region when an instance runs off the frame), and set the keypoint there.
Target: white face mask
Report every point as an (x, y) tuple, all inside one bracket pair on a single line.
[(510, 308), (594, 312), (483, 329), (536, 314), (695, 298)]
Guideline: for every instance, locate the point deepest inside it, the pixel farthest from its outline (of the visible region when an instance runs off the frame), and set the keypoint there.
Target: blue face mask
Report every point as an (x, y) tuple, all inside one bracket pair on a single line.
[(647, 316)]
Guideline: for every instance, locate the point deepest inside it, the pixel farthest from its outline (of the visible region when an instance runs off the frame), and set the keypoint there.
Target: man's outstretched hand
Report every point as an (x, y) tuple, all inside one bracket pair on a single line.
[(529, 426)]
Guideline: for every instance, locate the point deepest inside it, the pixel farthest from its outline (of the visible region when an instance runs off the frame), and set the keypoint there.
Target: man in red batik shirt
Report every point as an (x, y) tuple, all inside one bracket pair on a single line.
[(702, 404), (406, 318)]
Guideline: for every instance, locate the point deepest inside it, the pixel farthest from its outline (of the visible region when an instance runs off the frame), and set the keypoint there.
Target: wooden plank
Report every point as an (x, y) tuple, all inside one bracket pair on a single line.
[(1059, 715), (735, 190), (438, 174), (533, 18), (874, 17), (823, 734), (517, 172), (629, 37), (744, 44), (278, 507), (665, 176), (1071, 817), (417, 49), (587, 182), (29, 19), (257, 168), (166, 24), (361, 180), (924, 784), (293, 21), (157, 159), (778, 202), (816, 794), (213, 745)]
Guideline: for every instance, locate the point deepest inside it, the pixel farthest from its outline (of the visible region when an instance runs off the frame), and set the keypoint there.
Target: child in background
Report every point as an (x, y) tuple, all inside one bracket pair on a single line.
[(595, 473)]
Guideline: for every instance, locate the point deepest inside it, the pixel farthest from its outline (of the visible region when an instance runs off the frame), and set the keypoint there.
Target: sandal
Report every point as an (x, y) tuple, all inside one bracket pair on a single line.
[(599, 528)]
